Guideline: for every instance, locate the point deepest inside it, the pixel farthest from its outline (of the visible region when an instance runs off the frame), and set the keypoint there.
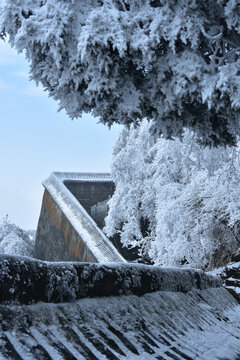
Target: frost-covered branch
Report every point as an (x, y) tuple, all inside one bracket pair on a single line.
[(127, 60), (14, 240), (178, 201)]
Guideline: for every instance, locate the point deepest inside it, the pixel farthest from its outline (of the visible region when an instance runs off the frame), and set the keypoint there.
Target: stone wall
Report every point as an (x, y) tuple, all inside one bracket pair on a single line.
[(90, 193), (56, 239), (230, 275), (66, 230)]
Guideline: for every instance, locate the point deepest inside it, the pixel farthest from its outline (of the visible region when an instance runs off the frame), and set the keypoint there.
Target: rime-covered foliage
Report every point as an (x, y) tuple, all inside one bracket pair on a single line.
[(174, 61), (68, 281), (14, 240), (177, 200)]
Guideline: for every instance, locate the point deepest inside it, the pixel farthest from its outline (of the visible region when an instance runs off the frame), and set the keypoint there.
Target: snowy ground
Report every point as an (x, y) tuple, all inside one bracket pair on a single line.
[(200, 324), (113, 311), (191, 317)]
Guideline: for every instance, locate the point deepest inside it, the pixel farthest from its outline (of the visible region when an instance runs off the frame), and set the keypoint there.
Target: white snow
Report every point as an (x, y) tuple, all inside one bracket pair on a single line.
[(125, 61), (15, 241), (200, 324), (189, 195)]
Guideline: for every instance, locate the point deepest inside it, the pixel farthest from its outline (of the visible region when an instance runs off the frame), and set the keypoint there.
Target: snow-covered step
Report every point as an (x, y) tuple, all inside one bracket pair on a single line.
[(230, 275), (198, 324), (83, 311)]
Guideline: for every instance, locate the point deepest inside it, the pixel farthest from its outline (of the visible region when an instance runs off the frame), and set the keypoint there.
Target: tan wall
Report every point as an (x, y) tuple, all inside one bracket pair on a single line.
[(56, 239)]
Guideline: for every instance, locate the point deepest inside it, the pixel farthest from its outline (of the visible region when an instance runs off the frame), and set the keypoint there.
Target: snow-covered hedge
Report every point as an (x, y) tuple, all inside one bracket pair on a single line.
[(14, 240), (178, 201), (25, 280)]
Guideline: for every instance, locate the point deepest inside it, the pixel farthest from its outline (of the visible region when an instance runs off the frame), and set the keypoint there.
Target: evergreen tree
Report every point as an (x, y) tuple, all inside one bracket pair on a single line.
[(175, 62), (174, 199)]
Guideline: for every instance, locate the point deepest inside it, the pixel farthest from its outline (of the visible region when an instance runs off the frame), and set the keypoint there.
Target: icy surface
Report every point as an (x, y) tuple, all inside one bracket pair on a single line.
[(113, 312), (200, 324)]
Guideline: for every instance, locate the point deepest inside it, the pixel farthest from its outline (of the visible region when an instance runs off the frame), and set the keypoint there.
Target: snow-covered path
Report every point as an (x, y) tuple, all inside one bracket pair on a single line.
[(114, 311), (200, 324)]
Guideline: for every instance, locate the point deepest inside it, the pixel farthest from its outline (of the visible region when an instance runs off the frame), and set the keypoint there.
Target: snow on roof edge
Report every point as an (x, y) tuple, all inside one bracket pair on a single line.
[(85, 226), (83, 176)]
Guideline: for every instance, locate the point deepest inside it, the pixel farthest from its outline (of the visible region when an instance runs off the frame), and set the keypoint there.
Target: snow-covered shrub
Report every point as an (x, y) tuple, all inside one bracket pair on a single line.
[(175, 199), (14, 240)]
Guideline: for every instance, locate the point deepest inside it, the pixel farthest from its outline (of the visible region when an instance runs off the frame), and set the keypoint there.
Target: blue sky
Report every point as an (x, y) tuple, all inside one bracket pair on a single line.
[(35, 140)]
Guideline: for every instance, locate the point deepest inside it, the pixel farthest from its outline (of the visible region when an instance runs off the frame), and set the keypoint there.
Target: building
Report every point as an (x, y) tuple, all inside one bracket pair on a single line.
[(72, 217)]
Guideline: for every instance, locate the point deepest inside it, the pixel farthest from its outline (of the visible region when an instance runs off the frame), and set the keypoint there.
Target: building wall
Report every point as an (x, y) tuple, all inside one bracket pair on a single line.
[(89, 193), (56, 239)]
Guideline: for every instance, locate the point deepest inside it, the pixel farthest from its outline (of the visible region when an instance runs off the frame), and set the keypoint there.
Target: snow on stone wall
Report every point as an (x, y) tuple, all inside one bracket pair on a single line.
[(230, 275)]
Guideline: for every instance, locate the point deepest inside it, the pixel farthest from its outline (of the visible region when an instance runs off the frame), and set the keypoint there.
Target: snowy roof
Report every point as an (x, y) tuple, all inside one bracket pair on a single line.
[(85, 226), (181, 314)]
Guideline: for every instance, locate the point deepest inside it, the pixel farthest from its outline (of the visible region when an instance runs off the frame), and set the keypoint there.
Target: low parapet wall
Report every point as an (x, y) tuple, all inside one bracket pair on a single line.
[(25, 281)]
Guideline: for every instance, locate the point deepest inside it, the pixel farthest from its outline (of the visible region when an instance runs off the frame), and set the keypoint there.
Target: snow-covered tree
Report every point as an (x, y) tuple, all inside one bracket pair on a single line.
[(14, 240), (173, 61), (176, 200)]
